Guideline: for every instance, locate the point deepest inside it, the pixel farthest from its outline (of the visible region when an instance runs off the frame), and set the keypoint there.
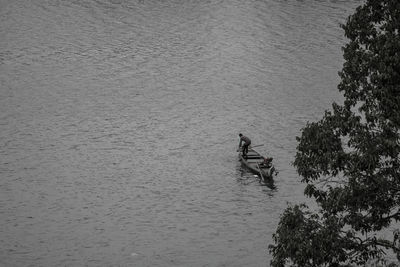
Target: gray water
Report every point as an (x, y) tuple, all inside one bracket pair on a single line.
[(119, 123)]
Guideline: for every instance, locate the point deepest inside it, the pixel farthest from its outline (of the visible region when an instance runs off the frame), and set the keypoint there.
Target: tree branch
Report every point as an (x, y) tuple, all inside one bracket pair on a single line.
[(387, 244)]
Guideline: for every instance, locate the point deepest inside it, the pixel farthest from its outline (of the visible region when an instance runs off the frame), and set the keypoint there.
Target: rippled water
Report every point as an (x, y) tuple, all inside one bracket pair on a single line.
[(119, 123)]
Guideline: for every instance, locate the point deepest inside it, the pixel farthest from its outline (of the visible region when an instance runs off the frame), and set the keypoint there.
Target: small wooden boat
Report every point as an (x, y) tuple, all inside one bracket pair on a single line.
[(258, 164)]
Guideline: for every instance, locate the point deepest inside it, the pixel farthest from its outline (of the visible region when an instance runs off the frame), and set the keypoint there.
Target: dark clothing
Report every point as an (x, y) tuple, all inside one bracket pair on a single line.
[(245, 149), (246, 144), (245, 139)]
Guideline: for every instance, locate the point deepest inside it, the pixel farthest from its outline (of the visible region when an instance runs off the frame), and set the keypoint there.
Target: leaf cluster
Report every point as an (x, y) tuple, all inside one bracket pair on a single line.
[(310, 239), (350, 159)]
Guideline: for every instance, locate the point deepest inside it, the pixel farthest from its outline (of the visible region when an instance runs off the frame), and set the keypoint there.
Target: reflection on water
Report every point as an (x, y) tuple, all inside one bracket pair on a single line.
[(119, 123)]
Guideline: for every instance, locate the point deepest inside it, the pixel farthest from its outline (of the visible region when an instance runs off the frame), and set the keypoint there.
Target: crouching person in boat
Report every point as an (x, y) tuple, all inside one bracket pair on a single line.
[(246, 142), (267, 162)]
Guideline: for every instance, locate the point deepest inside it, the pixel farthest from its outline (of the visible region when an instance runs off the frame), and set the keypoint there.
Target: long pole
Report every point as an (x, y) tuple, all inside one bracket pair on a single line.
[(256, 146)]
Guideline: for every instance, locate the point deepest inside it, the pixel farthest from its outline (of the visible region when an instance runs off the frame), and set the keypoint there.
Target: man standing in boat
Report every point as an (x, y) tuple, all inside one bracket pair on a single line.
[(246, 142)]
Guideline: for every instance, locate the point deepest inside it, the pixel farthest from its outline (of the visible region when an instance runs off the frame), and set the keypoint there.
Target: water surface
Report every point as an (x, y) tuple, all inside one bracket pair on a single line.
[(119, 123)]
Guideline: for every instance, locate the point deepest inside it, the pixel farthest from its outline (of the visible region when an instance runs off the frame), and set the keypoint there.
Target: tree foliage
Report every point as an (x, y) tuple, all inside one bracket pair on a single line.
[(350, 159)]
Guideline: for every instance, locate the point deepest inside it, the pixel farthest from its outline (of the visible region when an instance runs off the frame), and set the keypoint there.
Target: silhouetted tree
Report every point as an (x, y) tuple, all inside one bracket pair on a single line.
[(350, 159)]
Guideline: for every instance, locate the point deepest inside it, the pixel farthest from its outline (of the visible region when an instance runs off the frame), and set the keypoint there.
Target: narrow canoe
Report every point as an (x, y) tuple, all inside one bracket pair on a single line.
[(254, 161)]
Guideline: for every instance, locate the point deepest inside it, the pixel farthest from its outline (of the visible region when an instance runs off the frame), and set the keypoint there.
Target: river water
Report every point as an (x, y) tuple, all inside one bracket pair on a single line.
[(119, 123)]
